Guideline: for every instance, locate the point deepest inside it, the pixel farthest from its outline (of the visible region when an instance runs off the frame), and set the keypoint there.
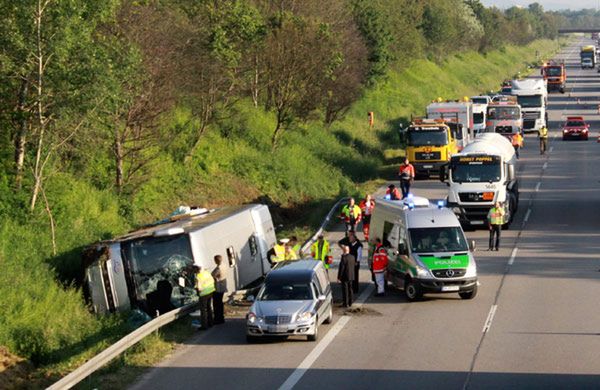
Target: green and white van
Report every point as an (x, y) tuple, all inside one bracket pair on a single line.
[(427, 248)]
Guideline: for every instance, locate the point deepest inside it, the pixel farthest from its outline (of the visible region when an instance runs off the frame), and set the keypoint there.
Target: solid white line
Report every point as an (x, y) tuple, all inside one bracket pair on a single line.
[(545, 165), (537, 186), (310, 359), (512, 256), (490, 318), (527, 214)]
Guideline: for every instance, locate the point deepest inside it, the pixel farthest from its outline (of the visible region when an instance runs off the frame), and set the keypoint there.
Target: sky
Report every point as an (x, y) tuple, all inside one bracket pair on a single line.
[(547, 4)]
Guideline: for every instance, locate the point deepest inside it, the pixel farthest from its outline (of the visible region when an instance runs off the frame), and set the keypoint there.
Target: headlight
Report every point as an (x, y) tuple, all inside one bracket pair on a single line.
[(422, 272), (471, 270), (306, 316), (253, 318)]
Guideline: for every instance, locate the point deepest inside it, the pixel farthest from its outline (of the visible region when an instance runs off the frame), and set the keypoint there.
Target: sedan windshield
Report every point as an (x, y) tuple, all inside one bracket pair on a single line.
[(442, 239), (427, 137), (285, 292), (575, 124)]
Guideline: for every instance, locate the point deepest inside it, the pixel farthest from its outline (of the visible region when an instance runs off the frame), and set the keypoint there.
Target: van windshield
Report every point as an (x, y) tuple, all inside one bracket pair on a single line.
[(441, 239), (277, 291)]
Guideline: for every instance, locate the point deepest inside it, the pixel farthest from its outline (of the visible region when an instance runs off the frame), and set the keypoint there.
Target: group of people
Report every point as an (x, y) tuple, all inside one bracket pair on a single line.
[(517, 141), (285, 249), (211, 287)]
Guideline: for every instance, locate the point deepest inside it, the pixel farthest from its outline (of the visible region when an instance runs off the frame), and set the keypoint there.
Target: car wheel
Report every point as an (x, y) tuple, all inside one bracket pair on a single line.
[(468, 294), (329, 318), (251, 339), (413, 291), (314, 337)]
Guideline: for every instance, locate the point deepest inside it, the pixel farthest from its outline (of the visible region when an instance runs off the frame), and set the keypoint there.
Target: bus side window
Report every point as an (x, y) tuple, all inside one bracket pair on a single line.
[(231, 256)]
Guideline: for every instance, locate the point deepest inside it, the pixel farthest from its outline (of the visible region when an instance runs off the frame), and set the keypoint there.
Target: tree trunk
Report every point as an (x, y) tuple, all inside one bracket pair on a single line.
[(20, 138), (37, 171), (118, 150), (255, 82)]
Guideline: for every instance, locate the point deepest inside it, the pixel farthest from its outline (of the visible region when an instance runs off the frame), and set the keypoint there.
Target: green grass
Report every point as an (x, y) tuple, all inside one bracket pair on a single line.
[(49, 323)]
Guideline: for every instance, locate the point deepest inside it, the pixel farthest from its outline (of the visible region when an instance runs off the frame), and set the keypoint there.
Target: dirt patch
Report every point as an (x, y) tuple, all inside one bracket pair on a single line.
[(14, 371), (361, 311)]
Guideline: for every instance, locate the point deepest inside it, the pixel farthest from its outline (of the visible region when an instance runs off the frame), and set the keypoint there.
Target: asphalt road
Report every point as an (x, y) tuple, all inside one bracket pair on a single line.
[(534, 323)]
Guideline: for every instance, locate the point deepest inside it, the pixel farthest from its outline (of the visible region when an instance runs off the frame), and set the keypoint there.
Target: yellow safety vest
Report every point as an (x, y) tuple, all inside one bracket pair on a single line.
[(291, 255), (543, 132), (324, 252), (279, 253), (205, 283), (496, 216), (355, 211), (296, 248)]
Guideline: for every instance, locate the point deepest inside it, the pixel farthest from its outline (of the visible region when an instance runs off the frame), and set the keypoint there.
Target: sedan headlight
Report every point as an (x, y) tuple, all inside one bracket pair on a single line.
[(253, 318), (306, 316), (471, 270)]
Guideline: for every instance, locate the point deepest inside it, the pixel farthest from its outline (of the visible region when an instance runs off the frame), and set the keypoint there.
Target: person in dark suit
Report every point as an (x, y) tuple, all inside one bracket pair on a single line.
[(346, 275)]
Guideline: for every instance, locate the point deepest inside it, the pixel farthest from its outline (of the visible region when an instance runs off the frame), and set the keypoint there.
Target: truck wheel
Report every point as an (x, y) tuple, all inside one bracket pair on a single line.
[(413, 291), (468, 294)]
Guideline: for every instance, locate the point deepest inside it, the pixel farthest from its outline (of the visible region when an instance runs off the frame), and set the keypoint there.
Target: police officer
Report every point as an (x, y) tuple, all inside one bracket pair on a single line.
[(543, 135), (495, 219)]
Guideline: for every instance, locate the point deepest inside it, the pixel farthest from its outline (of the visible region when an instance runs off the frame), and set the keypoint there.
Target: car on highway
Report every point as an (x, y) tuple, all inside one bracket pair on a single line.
[(587, 63), (294, 300), (575, 127)]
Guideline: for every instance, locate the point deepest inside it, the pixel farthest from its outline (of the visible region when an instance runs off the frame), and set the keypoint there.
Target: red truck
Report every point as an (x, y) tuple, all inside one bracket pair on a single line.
[(555, 75)]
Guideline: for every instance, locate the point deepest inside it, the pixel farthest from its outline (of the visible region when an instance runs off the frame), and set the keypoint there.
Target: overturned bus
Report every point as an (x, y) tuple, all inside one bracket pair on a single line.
[(152, 267)]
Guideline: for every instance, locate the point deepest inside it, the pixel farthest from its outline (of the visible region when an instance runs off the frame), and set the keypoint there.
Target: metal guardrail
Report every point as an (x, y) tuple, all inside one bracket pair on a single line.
[(104, 357), (120, 346)]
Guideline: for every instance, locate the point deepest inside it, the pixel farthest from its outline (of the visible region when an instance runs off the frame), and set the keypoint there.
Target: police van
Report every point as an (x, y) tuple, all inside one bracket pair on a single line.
[(427, 248)]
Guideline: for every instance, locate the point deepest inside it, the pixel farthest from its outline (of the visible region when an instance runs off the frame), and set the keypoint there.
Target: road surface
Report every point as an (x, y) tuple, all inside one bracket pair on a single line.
[(534, 324)]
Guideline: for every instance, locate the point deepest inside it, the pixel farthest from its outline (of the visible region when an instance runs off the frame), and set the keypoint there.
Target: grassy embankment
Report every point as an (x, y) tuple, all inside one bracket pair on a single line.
[(48, 323)]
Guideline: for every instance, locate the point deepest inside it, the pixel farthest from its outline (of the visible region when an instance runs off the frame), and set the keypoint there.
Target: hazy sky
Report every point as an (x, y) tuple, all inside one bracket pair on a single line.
[(547, 4)]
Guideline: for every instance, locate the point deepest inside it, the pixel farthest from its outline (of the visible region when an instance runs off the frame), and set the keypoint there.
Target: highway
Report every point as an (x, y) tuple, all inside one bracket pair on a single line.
[(534, 324)]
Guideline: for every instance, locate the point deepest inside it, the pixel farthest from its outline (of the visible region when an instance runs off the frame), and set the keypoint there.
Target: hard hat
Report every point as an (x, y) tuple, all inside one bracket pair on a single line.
[(284, 240)]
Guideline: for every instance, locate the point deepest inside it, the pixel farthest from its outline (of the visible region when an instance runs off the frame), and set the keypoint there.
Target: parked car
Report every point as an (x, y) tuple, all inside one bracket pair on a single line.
[(294, 300), (575, 127)]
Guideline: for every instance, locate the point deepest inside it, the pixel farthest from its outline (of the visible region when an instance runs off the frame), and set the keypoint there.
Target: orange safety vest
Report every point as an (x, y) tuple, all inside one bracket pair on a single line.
[(407, 171), (380, 262), (517, 140), (395, 195)]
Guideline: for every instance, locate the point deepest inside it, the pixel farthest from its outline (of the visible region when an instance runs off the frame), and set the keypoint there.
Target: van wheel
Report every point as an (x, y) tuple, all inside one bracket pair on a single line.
[(329, 318), (413, 291), (468, 294), (314, 337)]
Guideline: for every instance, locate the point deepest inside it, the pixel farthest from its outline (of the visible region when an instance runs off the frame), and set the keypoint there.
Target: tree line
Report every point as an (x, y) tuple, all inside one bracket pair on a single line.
[(88, 83)]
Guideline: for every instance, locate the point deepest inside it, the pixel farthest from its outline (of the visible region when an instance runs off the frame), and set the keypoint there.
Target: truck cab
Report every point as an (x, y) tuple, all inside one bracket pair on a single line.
[(429, 145), (480, 104), (555, 76), (458, 115), (504, 117), (427, 248), (532, 96), (588, 56)]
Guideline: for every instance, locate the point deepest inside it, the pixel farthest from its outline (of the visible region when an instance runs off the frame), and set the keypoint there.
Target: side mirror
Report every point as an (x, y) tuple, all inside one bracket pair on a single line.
[(322, 297), (472, 246), (250, 298)]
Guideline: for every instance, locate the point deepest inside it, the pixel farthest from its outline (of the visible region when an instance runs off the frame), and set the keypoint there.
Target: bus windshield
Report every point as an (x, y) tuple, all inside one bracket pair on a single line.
[(440, 239), (475, 169), (438, 137)]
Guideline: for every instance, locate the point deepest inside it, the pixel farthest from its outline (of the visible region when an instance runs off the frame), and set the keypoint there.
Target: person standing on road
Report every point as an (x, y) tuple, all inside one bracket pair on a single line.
[(219, 274), (351, 215), (346, 275), (517, 143), (495, 219), (320, 251), (407, 175), (205, 284), (543, 134), (380, 262), (355, 250), (366, 206)]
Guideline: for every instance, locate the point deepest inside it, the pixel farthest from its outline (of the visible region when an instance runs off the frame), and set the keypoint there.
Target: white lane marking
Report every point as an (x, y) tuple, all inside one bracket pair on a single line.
[(545, 165), (312, 357), (512, 256), (527, 214), (551, 149), (537, 186), (490, 318)]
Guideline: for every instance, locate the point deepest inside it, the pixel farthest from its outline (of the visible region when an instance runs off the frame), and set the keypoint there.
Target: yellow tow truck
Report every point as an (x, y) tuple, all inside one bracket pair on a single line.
[(429, 145)]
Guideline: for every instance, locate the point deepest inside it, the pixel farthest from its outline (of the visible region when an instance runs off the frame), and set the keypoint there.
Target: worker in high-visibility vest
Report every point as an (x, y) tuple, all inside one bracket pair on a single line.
[(295, 246), (320, 251), (495, 221), (517, 142), (351, 215), (277, 253), (380, 263), (543, 134), (205, 284)]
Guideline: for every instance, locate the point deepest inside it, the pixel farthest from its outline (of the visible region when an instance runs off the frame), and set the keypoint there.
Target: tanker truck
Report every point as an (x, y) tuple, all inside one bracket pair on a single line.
[(483, 173)]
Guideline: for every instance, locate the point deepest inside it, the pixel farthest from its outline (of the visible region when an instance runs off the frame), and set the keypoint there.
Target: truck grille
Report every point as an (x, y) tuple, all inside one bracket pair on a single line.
[(278, 320), (528, 124), (428, 155), (449, 273), (503, 129)]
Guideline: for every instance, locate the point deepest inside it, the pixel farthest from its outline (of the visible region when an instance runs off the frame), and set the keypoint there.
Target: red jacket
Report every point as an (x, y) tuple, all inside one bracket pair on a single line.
[(380, 262), (395, 195), (407, 170), (367, 209)]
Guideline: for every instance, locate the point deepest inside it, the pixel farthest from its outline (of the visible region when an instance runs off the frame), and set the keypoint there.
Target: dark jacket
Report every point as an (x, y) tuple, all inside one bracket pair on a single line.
[(354, 246), (346, 268)]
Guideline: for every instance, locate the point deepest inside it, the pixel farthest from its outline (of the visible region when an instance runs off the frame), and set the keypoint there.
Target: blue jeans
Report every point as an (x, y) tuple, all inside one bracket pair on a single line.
[(404, 187)]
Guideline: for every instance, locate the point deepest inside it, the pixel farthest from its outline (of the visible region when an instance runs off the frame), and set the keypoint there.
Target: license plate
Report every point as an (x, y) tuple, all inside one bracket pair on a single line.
[(449, 288), (277, 329), (477, 222), (427, 166)]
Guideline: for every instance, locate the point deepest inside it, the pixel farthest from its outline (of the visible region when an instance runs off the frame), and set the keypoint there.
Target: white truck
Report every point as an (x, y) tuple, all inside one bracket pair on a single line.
[(482, 174), (532, 96), (458, 115), (128, 271), (480, 104)]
